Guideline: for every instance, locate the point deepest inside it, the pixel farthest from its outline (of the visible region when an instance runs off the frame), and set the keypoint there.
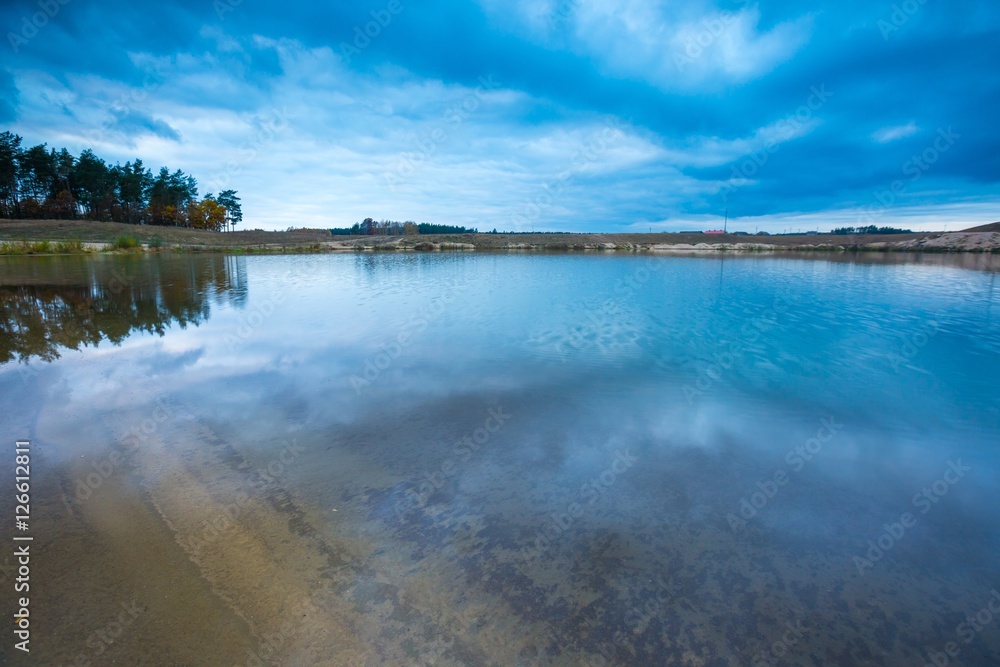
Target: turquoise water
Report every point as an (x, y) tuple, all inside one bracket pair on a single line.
[(567, 459)]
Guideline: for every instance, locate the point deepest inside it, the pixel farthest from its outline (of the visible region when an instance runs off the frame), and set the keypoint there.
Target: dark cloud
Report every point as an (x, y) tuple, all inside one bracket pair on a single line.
[(899, 73), (136, 124)]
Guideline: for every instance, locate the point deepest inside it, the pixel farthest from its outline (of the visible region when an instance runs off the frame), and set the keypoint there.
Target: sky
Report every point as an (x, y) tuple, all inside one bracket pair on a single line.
[(520, 115)]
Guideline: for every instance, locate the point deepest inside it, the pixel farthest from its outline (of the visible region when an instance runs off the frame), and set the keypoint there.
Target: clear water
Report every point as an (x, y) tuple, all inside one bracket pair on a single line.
[(510, 459)]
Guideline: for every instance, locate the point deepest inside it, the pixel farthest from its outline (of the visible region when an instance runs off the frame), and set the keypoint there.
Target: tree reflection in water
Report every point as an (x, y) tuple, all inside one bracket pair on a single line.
[(49, 303)]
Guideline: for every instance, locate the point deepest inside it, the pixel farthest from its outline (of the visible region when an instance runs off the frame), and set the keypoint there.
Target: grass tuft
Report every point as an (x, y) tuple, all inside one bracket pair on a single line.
[(67, 247)]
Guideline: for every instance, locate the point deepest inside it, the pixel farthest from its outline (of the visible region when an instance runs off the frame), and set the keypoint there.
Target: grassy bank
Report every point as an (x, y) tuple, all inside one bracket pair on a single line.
[(28, 237)]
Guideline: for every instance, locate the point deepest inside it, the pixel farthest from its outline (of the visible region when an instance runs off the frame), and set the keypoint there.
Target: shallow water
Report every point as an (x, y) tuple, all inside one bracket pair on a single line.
[(507, 459)]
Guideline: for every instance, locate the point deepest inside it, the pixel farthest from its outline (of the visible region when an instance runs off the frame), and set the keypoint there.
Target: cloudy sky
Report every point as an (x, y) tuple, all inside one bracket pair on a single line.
[(571, 115)]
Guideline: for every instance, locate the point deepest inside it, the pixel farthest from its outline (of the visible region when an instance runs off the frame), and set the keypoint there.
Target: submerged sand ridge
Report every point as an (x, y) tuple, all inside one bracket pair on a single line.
[(242, 547), (245, 566), (112, 587), (302, 598)]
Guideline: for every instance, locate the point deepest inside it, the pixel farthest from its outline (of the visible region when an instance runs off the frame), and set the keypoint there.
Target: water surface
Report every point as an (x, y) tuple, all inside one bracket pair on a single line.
[(509, 459)]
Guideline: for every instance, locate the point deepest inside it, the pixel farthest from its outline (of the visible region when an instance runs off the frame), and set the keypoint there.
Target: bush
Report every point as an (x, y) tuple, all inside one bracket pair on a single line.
[(155, 242), (124, 242)]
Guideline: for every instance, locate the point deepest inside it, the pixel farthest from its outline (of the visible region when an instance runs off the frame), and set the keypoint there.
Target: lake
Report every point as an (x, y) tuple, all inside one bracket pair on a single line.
[(475, 459)]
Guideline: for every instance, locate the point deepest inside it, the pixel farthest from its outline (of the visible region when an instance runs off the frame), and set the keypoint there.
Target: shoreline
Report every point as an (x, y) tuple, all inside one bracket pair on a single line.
[(990, 247), (60, 237)]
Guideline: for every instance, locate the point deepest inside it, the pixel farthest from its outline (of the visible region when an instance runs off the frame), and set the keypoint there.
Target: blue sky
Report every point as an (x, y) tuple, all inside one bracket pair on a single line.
[(571, 115)]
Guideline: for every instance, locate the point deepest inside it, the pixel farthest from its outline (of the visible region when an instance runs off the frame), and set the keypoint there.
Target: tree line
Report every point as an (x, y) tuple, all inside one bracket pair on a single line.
[(371, 227), (42, 183)]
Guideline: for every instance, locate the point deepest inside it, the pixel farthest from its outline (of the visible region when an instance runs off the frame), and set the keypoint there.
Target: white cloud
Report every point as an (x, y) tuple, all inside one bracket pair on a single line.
[(714, 151), (894, 133), (671, 46), (729, 45)]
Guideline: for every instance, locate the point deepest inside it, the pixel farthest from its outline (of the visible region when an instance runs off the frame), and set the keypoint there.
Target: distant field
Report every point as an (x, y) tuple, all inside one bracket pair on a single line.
[(994, 227), (985, 239)]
